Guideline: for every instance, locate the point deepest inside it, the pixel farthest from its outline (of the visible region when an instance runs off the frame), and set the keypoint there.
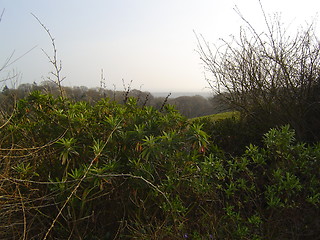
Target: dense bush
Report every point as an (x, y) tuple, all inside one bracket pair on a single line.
[(71, 170), (271, 77)]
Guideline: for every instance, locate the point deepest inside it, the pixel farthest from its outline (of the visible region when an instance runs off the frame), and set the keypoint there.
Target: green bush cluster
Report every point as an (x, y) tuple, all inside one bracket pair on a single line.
[(71, 170)]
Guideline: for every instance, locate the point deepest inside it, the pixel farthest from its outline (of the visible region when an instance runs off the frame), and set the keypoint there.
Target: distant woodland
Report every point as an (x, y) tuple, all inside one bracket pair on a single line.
[(188, 106)]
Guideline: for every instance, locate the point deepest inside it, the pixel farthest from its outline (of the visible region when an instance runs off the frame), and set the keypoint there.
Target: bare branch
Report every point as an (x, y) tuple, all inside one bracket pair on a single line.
[(53, 60), (2, 14), (8, 61), (273, 72)]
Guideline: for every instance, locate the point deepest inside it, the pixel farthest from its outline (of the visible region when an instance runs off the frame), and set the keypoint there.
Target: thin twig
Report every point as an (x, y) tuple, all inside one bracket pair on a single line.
[(81, 180), (2, 14), (135, 177), (8, 120), (24, 216), (8, 63), (53, 60), (164, 102), (36, 148)]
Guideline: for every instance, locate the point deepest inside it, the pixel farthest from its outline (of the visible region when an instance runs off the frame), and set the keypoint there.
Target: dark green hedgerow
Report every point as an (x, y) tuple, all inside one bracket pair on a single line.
[(110, 171)]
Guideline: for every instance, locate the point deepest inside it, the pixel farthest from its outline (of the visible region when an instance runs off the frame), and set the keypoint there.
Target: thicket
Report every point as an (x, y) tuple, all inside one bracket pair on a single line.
[(271, 77), (73, 170)]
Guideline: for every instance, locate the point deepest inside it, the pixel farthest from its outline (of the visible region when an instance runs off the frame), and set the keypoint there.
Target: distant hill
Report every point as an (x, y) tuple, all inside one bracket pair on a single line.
[(180, 94)]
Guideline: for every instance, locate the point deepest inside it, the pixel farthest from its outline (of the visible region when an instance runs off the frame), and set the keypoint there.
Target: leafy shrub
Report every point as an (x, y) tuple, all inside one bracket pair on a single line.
[(231, 134), (110, 171)]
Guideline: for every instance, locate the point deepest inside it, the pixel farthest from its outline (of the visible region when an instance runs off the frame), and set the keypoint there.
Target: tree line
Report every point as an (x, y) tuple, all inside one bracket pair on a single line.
[(188, 106)]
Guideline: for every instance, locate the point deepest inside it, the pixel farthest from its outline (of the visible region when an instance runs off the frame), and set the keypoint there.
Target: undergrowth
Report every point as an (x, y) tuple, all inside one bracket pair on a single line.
[(71, 170)]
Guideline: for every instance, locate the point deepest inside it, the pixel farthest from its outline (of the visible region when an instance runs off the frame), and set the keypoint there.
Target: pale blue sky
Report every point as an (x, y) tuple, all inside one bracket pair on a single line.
[(150, 42)]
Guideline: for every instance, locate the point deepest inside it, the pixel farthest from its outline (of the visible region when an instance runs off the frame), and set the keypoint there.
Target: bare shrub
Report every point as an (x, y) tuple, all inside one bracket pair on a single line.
[(272, 77)]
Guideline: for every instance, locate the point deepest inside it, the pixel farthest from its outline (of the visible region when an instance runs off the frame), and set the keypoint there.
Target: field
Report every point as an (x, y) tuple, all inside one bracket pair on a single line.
[(218, 116)]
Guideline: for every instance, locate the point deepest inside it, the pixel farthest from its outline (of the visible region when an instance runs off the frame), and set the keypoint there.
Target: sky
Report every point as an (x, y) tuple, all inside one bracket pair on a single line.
[(147, 42)]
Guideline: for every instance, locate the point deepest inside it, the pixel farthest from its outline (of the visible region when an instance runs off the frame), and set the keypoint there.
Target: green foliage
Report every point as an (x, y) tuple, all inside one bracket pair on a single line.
[(218, 116), (230, 132), (110, 171), (24, 171), (68, 149)]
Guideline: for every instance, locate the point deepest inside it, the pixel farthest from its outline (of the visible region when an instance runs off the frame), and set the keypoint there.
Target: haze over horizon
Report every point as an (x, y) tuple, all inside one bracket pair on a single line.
[(149, 42)]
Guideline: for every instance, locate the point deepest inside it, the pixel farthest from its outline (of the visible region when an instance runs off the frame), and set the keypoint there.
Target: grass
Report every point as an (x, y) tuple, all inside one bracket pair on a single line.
[(218, 116)]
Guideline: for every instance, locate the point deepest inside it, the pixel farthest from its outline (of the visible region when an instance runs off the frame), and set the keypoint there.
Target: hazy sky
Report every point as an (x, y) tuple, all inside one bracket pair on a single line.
[(150, 42)]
